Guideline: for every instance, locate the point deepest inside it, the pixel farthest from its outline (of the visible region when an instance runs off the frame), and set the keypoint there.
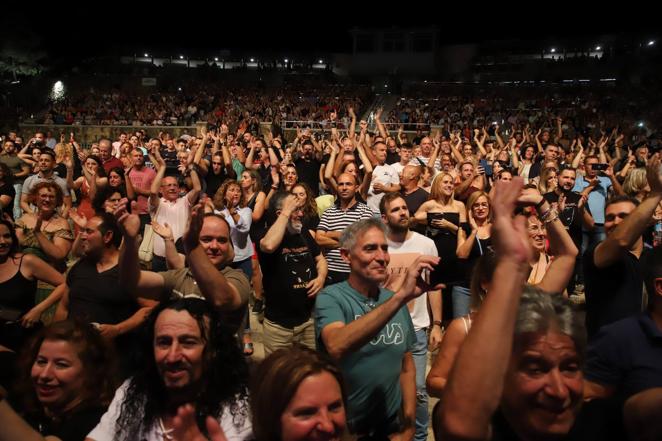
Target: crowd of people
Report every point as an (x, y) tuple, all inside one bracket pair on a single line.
[(186, 105), (525, 254), (581, 107)]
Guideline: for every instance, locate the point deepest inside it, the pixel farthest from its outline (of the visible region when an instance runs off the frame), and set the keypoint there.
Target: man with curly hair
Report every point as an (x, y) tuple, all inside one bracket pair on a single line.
[(190, 358)]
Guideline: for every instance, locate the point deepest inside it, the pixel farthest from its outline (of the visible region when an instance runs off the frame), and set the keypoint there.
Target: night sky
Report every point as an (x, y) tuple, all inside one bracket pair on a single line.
[(83, 30)]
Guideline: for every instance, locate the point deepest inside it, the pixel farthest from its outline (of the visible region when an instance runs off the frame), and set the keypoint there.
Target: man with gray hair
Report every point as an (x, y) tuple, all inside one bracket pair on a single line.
[(368, 331), (294, 271), (518, 374)]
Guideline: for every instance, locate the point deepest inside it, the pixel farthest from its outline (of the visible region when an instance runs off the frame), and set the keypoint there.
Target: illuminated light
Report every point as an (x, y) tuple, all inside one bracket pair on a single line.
[(215, 58), (57, 92), (598, 48), (553, 50), (286, 60), (146, 54), (179, 89), (252, 60), (641, 124), (181, 57), (320, 61), (652, 42)]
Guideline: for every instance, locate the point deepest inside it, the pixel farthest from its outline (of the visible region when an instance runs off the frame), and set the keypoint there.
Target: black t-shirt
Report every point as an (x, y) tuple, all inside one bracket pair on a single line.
[(97, 297), (8, 190), (285, 273), (74, 427), (598, 419), (309, 172), (213, 182), (571, 216), (392, 157), (612, 293), (414, 200)]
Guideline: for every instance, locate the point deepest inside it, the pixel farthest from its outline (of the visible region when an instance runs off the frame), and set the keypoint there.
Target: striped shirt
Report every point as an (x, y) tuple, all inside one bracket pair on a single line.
[(335, 219)]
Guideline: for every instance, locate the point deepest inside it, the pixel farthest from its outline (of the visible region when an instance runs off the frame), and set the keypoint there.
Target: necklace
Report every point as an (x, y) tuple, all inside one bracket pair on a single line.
[(166, 433)]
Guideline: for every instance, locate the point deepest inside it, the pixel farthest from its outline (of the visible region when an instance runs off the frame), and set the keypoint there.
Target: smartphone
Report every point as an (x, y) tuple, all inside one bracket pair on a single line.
[(434, 216), (600, 167)]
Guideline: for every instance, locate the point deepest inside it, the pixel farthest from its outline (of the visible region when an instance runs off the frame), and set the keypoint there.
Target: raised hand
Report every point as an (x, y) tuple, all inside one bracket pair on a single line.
[(654, 175), (162, 230), (192, 235), (511, 239), (185, 427), (529, 197), (78, 218), (129, 223)]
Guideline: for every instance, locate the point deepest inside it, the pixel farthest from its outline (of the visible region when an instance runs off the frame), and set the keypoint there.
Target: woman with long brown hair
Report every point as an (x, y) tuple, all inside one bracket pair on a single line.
[(65, 384)]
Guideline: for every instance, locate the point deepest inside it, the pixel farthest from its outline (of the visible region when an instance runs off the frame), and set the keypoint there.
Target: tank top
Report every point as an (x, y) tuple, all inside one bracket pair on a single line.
[(17, 293), (446, 243)]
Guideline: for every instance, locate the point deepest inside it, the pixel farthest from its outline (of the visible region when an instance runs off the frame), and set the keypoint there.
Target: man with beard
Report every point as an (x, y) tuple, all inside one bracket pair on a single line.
[(19, 169), (404, 246), (308, 166), (209, 253), (189, 358), (293, 271), (92, 292), (571, 207)]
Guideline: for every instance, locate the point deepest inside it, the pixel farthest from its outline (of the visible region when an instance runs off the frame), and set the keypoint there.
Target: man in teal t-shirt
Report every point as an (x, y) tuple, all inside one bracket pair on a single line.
[(368, 331)]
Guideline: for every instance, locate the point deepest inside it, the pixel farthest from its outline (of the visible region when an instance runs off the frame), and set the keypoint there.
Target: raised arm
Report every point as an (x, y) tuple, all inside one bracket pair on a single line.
[(146, 284), (490, 340), (341, 339), (380, 126), (193, 194), (630, 229), (351, 133), (212, 283), (562, 247), (156, 183), (274, 236)]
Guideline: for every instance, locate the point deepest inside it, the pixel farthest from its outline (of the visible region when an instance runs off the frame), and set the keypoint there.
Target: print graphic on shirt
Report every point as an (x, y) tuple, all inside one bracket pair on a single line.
[(391, 335), (298, 264)]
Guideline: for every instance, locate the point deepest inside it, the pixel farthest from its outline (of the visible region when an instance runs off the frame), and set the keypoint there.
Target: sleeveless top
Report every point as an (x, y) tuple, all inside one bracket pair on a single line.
[(18, 292), (446, 243)]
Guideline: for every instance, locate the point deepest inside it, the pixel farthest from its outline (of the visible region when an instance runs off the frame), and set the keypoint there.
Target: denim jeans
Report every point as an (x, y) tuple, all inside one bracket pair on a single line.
[(419, 354), (18, 188), (461, 301)]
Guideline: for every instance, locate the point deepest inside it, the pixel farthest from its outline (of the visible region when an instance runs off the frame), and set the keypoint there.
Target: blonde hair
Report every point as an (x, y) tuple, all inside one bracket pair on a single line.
[(435, 191), (635, 182)]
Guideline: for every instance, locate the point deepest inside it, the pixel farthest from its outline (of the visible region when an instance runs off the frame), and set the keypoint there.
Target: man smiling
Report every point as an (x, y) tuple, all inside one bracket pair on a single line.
[(368, 331)]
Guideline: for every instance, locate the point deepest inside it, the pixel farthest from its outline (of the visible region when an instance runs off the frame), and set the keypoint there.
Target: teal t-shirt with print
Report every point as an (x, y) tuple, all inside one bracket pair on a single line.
[(371, 374)]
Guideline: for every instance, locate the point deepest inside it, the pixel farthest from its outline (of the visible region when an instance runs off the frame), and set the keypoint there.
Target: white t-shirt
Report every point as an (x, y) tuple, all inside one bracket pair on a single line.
[(175, 214), (384, 174), (402, 255), (106, 430), (398, 168)]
